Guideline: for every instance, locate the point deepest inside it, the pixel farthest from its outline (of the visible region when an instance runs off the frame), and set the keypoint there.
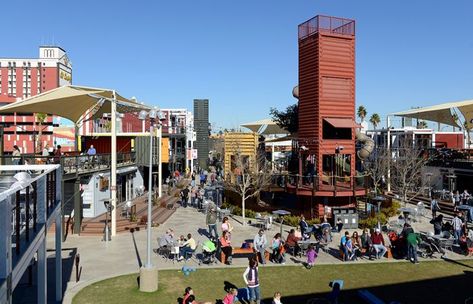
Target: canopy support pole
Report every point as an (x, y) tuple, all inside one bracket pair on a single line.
[(113, 174)]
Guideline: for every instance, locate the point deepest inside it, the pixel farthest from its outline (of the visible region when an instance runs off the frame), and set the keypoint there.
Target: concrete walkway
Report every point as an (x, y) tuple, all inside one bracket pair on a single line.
[(126, 252)]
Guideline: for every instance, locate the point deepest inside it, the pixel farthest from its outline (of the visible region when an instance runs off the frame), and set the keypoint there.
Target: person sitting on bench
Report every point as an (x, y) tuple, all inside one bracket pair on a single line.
[(291, 242), (306, 230), (188, 247), (260, 243), (378, 243)]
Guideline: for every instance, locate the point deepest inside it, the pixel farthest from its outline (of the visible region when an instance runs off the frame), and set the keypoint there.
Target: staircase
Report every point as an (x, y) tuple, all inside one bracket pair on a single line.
[(161, 211), (445, 206)]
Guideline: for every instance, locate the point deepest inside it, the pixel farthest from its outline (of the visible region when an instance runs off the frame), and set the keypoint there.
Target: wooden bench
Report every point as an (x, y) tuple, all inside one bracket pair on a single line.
[(242, 252), (364, 251)]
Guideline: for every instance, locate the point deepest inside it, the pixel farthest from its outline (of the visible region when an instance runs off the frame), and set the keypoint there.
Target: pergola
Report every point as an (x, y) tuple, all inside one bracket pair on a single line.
[(77, 103), (442, 113)]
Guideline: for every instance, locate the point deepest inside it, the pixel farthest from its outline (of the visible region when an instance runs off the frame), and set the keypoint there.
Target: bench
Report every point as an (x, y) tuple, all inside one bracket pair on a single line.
[(242, 252), (368, 297), (364, 251)]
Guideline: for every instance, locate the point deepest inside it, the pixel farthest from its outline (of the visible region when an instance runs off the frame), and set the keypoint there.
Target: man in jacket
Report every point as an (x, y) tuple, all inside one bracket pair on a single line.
[(378, 243), (413, 240), (211, 220)]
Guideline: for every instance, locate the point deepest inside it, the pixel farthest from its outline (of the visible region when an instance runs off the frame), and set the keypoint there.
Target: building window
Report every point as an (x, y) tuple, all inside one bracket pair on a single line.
[(331, 132), (336, 164)]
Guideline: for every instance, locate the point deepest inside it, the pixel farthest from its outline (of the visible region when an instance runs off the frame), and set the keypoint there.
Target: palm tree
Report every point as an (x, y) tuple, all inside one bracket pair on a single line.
[(375, 120), (40, 119), (422, 124), (361, 113)]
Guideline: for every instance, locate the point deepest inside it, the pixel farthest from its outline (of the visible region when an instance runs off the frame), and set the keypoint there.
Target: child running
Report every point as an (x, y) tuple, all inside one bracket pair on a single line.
[(311, 256)]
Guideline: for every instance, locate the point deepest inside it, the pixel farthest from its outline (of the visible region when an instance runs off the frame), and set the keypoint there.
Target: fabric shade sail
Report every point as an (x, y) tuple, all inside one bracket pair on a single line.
[(442, 113), (342, 122), (265, 127), (72, 102)]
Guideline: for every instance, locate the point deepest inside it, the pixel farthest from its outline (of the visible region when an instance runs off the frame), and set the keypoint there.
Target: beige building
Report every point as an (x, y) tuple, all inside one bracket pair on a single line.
[(238, 142)]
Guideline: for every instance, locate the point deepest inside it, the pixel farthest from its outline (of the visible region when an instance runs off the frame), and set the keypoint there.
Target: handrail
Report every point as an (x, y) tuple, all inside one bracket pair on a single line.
[(74, 164)]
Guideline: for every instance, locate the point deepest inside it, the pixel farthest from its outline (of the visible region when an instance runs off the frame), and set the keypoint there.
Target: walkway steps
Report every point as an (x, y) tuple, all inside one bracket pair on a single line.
[(445, 206), (160, 213)]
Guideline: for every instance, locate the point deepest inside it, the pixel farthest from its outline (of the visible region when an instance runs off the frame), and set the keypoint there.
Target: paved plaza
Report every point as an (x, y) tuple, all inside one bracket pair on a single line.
[(125, 253)]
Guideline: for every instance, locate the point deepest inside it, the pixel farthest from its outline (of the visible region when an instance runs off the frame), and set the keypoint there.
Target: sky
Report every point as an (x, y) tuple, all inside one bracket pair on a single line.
[(242, 55)]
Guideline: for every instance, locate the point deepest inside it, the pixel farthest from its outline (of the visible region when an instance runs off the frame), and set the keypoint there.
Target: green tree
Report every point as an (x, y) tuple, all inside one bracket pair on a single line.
[(422, 124), (375, 120), (40, 120), (361, 112), (288, 120), (455, 118)]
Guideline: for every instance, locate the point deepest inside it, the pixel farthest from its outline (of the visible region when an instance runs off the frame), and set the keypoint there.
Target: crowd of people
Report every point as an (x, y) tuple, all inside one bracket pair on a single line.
[(251, 291), (369, 243)]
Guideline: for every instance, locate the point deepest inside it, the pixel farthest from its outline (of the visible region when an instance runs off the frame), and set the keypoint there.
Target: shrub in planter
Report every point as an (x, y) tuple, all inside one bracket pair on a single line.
[(372, 221)]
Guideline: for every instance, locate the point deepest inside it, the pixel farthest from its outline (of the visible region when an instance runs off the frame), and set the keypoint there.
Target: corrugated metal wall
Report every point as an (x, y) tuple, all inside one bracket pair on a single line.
[(326, 89), (142, 150)]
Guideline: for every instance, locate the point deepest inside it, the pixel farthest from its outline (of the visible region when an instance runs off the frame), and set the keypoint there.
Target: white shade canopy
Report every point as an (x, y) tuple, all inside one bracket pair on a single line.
[(265, 127), (442, 113), (72, 102)]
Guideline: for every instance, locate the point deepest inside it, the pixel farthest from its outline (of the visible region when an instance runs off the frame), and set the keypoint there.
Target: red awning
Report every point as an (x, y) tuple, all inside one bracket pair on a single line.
[(342, 122)]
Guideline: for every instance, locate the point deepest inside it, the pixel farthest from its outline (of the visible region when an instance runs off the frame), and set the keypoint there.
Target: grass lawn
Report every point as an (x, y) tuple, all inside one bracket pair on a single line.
[(427, 282)]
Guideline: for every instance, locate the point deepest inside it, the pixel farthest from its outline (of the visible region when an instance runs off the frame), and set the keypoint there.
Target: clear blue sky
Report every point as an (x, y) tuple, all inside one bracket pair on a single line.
[(242, 55)]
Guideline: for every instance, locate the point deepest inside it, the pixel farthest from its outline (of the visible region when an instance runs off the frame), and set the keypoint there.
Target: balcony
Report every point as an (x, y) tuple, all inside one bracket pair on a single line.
[(74, 164), (327, 24), (30, 201), (322, 185)]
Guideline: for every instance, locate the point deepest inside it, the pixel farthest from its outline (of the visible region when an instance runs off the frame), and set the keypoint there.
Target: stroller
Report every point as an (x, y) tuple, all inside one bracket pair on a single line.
[(209, 250), (429, 246)]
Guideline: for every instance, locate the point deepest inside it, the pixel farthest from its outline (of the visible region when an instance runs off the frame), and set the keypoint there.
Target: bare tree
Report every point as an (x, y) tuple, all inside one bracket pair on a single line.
[(377, 167), (40, 119), (406, 170), (249, 175)]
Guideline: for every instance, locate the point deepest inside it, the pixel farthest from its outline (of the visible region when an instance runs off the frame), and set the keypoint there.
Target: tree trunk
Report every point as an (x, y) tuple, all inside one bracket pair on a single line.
[(39, 145), (243, 209)]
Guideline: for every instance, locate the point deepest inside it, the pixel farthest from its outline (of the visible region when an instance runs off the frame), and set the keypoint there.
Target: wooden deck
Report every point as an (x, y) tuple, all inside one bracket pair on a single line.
[(161, 211)]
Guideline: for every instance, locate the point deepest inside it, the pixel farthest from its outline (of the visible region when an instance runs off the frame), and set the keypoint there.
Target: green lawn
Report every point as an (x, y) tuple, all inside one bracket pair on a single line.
[(428, 282)]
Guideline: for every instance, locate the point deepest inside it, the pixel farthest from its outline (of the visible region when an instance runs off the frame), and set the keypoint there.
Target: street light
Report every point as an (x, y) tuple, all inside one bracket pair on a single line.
[(429, 179), (149, 275)]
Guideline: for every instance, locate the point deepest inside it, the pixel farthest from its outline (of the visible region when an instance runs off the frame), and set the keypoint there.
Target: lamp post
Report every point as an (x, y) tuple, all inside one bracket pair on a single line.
[(429, 178), (148, 273)]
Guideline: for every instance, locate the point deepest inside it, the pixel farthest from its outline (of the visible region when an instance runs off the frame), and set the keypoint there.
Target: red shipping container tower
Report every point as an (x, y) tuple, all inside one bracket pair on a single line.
[(327, 128)]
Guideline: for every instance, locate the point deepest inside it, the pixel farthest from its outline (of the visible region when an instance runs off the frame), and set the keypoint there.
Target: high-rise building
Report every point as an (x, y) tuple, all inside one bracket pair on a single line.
[(201, 127), (21, 78)]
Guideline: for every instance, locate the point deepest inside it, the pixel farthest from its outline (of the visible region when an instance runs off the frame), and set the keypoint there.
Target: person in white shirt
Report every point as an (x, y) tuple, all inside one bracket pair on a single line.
[(277, 298), (251, 278), (457, 225), (45, 150), (260, 243)]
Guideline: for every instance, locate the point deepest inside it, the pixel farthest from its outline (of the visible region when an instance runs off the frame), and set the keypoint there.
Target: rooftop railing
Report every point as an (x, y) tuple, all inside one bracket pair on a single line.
[(327, 24)]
